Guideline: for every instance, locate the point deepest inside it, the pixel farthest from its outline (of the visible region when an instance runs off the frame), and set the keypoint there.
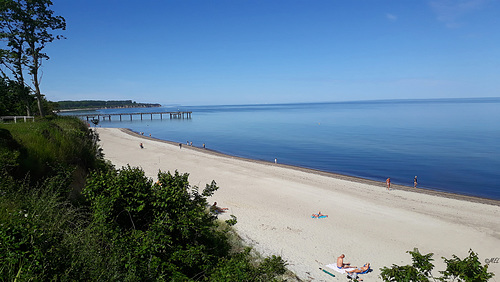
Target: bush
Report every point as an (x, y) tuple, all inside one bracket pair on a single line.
[(469, 269), (33, 228), (127, 228), (165, 230)]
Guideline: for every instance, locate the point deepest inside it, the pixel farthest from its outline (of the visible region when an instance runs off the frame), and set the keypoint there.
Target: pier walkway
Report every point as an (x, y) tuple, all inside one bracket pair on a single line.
[(160, 114)]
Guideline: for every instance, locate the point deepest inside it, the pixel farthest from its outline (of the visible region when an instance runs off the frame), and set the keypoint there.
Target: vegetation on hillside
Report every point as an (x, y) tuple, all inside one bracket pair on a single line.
[(97, 104), (121, 227)]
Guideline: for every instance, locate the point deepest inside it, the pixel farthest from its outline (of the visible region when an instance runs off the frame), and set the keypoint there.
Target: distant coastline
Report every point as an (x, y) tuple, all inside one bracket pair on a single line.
[(92, 105)]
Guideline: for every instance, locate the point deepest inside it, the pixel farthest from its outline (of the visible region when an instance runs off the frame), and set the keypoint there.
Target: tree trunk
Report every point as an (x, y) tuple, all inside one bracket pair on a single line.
[(34, 72)]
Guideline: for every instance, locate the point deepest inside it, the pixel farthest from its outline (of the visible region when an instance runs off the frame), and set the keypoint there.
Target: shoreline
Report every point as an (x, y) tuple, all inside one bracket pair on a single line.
[(456, 196), (273, 204)]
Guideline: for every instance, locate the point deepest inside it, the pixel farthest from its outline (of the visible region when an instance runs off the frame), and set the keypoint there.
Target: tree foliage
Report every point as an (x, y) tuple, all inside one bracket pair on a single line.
[(469, 269), (27, 26), (103, 104), (15, 98), (126, 228), (167, 221)]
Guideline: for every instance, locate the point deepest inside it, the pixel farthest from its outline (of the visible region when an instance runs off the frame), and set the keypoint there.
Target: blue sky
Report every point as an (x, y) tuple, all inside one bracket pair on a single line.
[(202, 52)]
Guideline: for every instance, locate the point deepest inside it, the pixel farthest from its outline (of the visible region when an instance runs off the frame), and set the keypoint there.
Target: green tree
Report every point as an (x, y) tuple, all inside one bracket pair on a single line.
[(26, 26), (14, 98), (469, 269), (163, 231), (166, 222)]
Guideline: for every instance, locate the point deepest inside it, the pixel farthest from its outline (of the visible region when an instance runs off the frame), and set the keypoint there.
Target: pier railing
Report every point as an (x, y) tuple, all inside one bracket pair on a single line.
[(172, 115)]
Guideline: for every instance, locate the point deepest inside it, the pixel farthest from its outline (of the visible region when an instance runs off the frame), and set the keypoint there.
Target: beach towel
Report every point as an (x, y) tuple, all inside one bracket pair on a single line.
[(339, 270), (355, 275)]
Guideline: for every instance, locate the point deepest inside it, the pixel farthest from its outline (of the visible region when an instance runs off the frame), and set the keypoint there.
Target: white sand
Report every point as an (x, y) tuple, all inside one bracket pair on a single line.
[(274, 204)]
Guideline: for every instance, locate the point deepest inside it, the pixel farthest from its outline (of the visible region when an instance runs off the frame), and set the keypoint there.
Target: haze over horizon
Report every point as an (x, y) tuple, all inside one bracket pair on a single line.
[(263, 52)]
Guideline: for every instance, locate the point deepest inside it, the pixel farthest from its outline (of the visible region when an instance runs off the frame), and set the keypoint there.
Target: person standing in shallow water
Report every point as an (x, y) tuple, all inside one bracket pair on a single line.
[(415, 182)]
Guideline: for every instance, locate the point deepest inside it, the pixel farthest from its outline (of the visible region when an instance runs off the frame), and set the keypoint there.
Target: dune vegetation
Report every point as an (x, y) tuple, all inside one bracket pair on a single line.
[(66, 214)]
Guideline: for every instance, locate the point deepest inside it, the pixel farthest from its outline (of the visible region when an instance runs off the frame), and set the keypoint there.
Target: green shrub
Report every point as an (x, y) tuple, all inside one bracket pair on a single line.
[(125, 229), (33, 227), (165, 230), (468, 269)]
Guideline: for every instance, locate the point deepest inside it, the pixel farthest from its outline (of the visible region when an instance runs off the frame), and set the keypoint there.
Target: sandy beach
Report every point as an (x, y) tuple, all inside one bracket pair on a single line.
[(367, 223)]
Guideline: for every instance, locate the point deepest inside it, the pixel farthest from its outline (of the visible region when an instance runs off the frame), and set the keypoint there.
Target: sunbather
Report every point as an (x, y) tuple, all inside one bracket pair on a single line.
[(319, 214), (354, 273), (341, 264), (214, 208), (360, 269)]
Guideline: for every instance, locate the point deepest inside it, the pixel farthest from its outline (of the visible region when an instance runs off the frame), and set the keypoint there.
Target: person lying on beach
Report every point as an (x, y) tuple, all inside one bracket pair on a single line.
[(354, 273), (319, 214), (341, 264), (215, 209)]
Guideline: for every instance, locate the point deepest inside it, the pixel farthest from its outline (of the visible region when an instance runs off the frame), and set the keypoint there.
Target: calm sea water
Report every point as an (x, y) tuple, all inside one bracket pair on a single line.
[(451, 145)]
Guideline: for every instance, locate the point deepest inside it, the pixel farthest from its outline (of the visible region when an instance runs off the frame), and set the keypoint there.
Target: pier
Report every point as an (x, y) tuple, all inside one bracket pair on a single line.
[(172, 115)]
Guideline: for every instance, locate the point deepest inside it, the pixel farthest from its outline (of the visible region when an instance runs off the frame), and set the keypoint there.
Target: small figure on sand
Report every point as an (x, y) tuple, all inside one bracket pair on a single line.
[(275, 160), (415, 182), (180, 145), (203, 145), (140, 145), (217, 210), (318, 215), (388, 182), (360, 270), (341, 264)]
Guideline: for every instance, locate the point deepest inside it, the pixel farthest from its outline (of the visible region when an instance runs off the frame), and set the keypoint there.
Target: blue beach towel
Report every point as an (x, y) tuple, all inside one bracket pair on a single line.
[(321, 216)]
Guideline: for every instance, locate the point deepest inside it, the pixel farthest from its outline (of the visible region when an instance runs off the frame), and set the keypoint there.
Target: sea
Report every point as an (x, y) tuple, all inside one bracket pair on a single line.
[(451, 145)]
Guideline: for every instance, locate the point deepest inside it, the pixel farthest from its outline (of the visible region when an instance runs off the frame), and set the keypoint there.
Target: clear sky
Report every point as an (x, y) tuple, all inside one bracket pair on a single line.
[(202, 52)]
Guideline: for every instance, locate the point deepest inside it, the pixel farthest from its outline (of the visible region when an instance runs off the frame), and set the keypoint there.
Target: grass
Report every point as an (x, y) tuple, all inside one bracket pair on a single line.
[(45, 144)]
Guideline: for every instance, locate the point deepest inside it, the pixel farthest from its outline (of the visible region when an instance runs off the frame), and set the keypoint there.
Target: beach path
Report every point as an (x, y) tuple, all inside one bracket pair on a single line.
[(274, 204)]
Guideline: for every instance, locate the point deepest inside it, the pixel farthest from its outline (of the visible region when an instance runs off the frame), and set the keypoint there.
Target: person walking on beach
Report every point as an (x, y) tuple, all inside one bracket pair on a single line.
[(415, 182), (388, 182), (140, 145)]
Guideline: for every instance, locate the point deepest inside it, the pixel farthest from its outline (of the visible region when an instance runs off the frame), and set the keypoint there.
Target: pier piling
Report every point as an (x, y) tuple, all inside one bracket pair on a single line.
[(173, 115)]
